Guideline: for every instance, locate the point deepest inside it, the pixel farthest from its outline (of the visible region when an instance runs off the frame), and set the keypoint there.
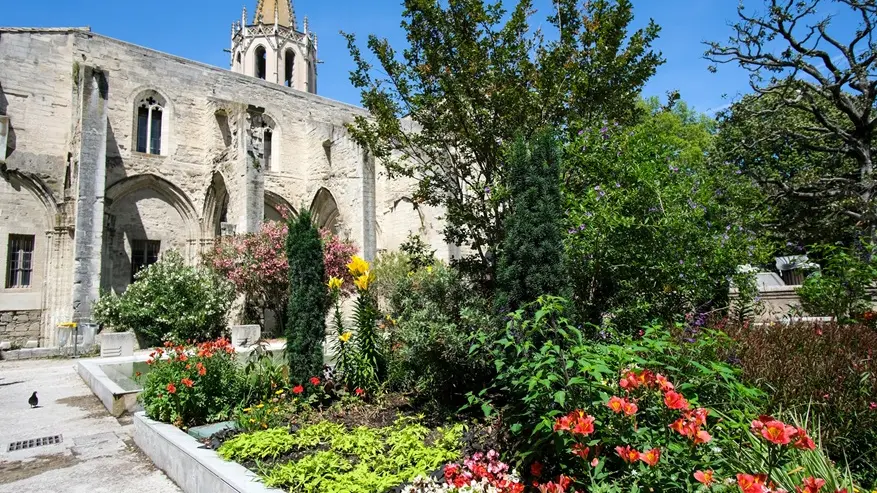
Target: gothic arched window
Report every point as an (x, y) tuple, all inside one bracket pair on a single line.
[(289, 63), (150, 115), (261, 59)]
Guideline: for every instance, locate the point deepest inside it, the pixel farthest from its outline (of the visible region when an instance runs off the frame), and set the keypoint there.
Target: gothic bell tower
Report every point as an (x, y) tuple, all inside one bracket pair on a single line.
[(272, 48)]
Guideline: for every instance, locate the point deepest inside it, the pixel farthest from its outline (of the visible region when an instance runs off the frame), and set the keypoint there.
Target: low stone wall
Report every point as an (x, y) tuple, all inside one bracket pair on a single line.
[(20, 326), (194, 468), (781, 302)]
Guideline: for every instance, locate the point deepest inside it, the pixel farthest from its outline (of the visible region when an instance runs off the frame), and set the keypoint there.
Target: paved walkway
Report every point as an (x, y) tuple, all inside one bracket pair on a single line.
[(97, 452)]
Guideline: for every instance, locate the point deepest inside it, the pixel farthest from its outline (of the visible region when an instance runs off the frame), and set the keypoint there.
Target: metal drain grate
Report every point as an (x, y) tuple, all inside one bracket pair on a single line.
[(34, 442)]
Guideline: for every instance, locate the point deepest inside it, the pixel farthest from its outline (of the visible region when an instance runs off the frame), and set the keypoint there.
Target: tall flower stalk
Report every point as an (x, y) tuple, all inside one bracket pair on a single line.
[(370, 362)]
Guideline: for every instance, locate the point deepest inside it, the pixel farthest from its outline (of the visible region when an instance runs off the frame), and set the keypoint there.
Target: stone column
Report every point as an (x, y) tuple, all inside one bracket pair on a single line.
[(254, 173), (91, 185), (369, 234)]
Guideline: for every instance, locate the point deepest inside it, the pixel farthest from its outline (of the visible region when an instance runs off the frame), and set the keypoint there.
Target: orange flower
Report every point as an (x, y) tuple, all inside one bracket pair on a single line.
[(651, 457), (630, 408), (674, 400), (702, 436), (171, 388), (562, 423), (616, 404), (298, 389), (627, 454), (663, 383), (581, 450), (187, 382), (202, 371), (778, 432), (183, 357), (704, 477), (811, 485), (585, 426), (629, 381), (751, 484)]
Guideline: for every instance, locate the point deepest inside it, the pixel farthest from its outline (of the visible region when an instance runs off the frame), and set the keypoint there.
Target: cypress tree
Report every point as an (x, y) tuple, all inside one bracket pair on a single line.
[(308, 299), (530, 260)]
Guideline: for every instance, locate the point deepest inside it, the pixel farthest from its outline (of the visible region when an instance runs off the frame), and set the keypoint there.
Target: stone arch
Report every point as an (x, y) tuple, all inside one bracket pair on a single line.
[(18, 181), (152, 111), (274, 204), (215, 207), (325, 210), (260, 62), (146, 215)]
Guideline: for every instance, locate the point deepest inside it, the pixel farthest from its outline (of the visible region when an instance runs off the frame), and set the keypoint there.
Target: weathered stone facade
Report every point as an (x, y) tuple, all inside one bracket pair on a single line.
[(18, 327), (112, 145)]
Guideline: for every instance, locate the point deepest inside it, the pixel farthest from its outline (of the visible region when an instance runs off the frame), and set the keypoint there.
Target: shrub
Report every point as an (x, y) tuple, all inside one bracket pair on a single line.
[(192, 385), (531, 257), (628, 402), (169, 300), (840, 288), (829, 370), (308, 299)]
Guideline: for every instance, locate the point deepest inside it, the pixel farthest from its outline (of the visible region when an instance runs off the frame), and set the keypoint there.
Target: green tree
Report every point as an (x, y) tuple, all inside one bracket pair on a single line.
[(308, 299), (475, 76), (655, 229), (821, 79), (531, 257), (747, 138)]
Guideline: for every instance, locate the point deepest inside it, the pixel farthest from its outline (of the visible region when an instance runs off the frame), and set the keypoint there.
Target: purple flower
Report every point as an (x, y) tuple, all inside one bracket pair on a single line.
[(617, 185), (604, 130), (581, 132), (681, 262)]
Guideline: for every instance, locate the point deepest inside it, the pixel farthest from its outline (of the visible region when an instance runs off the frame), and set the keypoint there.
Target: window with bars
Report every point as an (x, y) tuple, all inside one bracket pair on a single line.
[(19, 265), (143, 254)]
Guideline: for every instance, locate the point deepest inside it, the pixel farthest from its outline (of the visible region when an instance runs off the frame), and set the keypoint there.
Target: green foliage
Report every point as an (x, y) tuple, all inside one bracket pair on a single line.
[(546, 367), (531, 258), (840, 288), (169, 300), (654, 230), (192, 385), (433, 314), (308, 300), (418, 252), (263, 375), (333, 458), (475, 75)]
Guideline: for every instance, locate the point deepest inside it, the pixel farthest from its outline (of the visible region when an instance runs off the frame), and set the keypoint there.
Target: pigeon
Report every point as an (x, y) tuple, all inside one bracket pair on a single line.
[(33, 401)]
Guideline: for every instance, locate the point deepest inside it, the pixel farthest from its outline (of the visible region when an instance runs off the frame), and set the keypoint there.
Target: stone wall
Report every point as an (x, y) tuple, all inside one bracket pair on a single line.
[(19, 327)]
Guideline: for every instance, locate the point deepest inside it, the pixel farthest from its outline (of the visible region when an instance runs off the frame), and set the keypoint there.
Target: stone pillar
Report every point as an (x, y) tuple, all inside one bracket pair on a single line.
[(254, 173), (57, 308), (369, 234), (91, 185)]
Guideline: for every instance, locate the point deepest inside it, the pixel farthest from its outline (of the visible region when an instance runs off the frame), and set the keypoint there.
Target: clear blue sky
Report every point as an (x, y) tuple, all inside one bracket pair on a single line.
[(200, 29)]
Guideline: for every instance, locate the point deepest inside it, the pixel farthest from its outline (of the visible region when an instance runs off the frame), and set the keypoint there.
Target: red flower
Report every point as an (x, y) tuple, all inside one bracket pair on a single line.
[(778, 432), (584, 426), (298, 389), (562, 423), (627, 454), (171, 388), (802, 441), (630, 408), (616, 404), (702, 436), (651, 457), (187, 382), (315, 381), (536, 469), (751, 484), (360, 392), (183, 357), (704, 477), (202, 371), (811, 485), (674, 400), (629, 381), (663, 383), (581, 450)]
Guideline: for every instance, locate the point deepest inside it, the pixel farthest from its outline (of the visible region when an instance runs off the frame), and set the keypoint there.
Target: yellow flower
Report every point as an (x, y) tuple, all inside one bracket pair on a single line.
[(335, 283), (279, 392), (247, 409), (361, 282), (345, 336), (429, 269), (252, 420), (260, 405), (358, 266)]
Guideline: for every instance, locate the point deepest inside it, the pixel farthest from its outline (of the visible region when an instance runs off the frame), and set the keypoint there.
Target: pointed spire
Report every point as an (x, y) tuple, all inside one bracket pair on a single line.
[(276, 18), (269, 10), (244, 16), (306, 25)]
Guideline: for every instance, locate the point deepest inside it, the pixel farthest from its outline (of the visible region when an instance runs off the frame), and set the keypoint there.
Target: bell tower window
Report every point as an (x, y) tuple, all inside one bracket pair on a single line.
[(149, 124), (261, 59), (289, 63)]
